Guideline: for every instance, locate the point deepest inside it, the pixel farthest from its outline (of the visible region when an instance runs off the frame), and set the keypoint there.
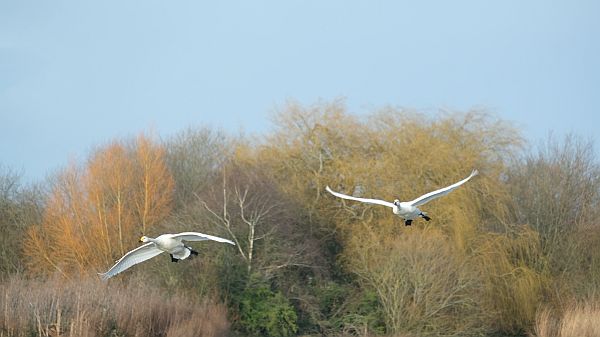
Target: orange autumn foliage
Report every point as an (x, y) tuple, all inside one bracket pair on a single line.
[(96, 213)]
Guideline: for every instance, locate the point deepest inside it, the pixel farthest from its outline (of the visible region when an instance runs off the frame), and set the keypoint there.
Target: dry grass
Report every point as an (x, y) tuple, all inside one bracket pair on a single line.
[(88, 308), (579, 320)]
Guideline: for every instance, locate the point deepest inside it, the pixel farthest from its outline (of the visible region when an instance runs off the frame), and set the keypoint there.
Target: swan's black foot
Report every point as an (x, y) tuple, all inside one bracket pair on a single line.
[(174, 259), (425, 217), (407, 222), (193, 252)]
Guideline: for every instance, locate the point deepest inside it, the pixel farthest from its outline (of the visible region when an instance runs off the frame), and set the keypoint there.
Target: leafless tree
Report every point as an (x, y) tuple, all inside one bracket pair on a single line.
[(194, 156), (556, 190), (260, 220), (20, 207)]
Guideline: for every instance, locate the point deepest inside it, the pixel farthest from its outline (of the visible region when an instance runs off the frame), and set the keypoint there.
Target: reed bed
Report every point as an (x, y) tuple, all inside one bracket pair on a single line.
[(88, 307), (577, 320)]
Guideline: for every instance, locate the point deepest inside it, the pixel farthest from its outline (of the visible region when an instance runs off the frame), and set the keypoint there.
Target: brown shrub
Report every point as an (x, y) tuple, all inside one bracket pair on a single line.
[(88, 307), (423, 286)]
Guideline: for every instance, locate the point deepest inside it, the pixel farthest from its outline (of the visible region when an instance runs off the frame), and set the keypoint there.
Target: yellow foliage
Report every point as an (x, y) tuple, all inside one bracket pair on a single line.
[(392, 154), (398, 154), (514, 276)]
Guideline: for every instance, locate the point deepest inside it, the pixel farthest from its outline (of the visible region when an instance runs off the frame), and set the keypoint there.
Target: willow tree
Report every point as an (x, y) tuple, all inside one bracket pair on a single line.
[(395, 153), (95, 213), (389, 154)]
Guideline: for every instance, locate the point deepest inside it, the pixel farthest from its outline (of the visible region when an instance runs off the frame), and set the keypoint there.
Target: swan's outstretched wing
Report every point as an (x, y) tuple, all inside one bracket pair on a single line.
[(194, 236), (370, 201), (441, 192), (138, 255)]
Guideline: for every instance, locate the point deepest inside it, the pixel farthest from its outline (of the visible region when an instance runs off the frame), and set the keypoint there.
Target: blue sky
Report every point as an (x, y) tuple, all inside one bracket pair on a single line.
[(76, 74)]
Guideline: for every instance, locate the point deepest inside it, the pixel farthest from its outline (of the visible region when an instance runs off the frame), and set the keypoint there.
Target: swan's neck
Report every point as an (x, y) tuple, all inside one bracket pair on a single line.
[(151, 240)]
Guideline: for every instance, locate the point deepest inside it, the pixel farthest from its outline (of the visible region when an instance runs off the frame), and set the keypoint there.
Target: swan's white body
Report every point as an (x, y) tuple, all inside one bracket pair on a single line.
[(170, 243), (408, 210)]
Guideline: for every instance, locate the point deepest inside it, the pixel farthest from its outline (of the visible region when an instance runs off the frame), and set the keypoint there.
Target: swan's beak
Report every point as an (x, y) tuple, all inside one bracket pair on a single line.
[(141, 239)]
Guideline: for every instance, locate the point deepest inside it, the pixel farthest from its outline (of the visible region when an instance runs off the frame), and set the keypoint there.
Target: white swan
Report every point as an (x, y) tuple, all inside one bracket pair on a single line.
[(408, 210), (170, 243)]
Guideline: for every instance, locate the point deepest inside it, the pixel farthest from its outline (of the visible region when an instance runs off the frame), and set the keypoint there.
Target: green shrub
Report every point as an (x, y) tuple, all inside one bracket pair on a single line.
[(348, 309), (264, 312)]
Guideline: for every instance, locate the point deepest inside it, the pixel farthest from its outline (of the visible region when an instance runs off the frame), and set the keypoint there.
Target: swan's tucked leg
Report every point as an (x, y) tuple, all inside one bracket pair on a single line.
[(407, 222), (174, 259), (424, 216)]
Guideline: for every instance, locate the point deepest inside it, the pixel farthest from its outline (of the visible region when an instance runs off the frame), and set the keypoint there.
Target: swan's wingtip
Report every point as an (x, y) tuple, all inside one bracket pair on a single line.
[(475, 172), (103, 276), (327, 188)]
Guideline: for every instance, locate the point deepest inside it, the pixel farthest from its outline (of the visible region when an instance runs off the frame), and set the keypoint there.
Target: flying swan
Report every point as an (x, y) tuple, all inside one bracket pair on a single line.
[(170, 243), (408, 210)]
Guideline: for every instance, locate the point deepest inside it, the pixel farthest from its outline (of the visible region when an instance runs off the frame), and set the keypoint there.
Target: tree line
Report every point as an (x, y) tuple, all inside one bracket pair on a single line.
[(518, 240)]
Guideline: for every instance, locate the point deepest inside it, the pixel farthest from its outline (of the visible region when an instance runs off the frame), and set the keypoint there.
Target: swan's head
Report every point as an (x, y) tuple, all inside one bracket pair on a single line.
[(144, 239), (397, 202)]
